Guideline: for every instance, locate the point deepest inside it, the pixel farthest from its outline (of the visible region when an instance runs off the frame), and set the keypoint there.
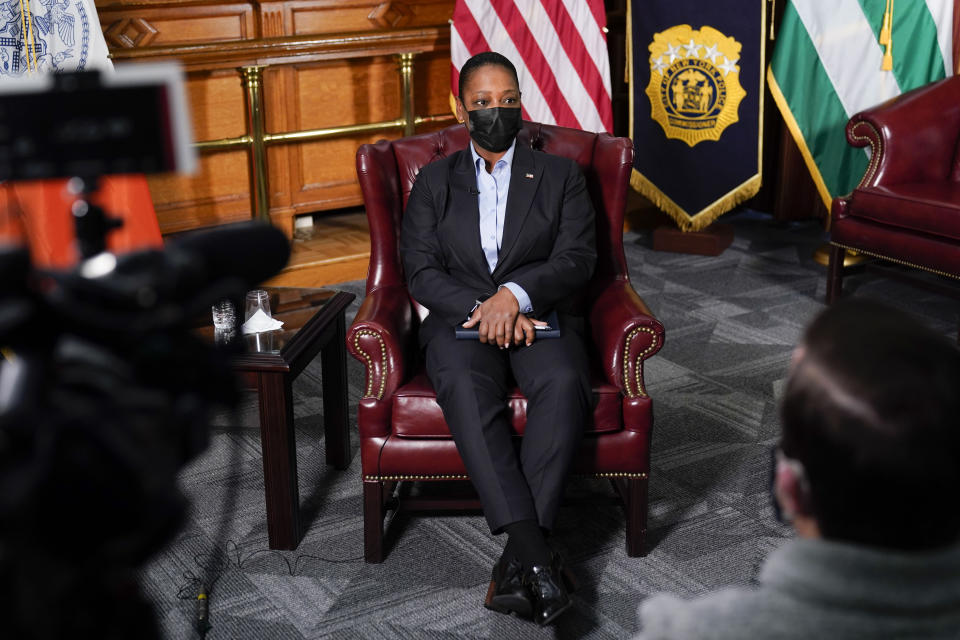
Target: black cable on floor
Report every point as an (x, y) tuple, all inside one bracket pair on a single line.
[(217, 564), (227, 554)]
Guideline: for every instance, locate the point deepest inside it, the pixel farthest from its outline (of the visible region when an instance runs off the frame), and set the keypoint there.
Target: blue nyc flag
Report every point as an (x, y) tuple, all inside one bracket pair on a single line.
[(696, 104)]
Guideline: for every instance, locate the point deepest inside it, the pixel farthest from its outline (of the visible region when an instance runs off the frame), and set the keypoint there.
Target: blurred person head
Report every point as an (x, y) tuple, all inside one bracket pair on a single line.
[(870, 448)]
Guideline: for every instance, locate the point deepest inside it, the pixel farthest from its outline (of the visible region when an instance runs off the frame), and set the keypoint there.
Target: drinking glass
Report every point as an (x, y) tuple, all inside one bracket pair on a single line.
[(224, 316), (257, 300), (262, 342), (224, 336)]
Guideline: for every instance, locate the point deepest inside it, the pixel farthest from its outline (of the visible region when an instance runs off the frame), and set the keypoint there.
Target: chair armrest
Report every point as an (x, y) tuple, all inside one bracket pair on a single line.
[(379, 336), (912, 138), (625, 334)]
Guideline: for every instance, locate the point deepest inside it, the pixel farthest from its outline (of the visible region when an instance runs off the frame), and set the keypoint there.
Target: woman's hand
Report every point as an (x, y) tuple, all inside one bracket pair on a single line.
[(524, 331), (497, 318)]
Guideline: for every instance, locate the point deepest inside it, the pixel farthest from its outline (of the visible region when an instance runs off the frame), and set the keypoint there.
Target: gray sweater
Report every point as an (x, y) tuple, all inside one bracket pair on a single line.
[(814, 589)]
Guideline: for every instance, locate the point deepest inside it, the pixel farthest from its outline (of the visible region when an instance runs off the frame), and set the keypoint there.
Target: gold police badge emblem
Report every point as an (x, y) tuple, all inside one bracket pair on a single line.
[(694, 87)]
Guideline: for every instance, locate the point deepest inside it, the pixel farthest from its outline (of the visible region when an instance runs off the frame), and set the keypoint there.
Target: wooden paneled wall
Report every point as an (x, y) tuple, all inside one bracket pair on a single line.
[(327, 63)]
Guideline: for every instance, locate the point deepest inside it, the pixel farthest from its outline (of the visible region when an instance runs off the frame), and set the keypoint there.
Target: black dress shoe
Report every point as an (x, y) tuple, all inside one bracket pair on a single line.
[(507, 593), (548, 591)]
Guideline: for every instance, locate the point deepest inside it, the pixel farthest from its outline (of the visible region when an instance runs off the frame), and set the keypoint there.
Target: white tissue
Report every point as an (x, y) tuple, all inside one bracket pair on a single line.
[(260, 322)]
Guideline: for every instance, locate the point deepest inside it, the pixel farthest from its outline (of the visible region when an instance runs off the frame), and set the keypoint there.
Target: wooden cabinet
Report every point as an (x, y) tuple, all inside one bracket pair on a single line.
[(304, 17), (168, 23), (325, 65)]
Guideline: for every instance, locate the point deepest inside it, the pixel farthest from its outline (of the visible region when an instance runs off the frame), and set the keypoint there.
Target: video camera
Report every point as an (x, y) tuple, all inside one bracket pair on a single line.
[(105, 392)]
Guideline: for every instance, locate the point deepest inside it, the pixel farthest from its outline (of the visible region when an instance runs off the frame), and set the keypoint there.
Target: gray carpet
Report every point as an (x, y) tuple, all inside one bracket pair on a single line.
[(731, 322)]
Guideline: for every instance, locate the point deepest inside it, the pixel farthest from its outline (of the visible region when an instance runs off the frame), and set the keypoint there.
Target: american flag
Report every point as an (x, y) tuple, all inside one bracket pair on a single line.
[(558, 46)]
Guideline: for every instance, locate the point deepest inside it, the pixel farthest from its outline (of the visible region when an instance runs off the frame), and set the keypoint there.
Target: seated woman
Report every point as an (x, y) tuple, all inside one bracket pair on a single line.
[(493, 237)]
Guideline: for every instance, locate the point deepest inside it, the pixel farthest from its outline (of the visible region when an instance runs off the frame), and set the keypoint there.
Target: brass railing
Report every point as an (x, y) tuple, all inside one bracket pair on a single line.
[(289, 51)]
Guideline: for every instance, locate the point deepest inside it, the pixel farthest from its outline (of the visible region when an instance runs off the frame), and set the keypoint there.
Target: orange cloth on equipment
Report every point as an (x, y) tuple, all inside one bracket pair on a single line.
[(38, 212)]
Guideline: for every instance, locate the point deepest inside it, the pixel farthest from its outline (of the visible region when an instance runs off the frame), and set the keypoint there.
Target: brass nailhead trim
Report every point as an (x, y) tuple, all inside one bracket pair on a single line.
[(875, 151), (617, 474), (383, 362), (639, 365), (408, 478), (896, 260)]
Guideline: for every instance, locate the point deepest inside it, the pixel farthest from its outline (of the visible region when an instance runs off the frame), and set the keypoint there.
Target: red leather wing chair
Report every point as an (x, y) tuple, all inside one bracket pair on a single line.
[(403, 436), (906, 208)]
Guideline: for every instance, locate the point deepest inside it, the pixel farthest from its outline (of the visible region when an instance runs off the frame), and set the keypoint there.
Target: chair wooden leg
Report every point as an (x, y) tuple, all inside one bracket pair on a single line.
[(635, 507), (373, 512), (835, 273)]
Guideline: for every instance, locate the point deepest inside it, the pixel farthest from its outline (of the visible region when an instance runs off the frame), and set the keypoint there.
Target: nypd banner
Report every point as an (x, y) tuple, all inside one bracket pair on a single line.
[(696, 104)]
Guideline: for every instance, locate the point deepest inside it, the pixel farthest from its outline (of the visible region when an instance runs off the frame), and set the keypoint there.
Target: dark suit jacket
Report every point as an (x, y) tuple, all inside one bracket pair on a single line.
[(548, 245)]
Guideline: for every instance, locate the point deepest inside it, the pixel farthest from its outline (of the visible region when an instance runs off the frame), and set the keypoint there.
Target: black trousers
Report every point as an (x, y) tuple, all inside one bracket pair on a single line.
[(472, 380)]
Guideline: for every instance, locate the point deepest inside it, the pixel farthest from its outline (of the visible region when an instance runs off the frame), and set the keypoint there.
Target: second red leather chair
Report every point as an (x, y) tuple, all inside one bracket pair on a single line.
[(906, 209)]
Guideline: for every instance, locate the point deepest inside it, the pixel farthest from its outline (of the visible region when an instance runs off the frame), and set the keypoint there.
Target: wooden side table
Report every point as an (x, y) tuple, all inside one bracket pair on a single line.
[(314, 324)]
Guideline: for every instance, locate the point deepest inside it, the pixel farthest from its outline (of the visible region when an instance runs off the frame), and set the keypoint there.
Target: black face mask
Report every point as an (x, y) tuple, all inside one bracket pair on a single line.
[(494, 129)]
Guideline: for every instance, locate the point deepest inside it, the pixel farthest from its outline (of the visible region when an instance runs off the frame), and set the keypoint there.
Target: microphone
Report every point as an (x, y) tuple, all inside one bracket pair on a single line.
[(474, 191), (250, 251), (201, 620), (190, 273)]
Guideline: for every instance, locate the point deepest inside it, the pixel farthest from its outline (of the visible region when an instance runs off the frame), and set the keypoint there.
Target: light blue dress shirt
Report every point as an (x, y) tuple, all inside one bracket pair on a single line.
[(494, 188)]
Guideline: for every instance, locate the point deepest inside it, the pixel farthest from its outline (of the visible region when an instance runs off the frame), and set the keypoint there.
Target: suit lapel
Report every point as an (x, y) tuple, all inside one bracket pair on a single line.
[(465, 207), (525, 176)]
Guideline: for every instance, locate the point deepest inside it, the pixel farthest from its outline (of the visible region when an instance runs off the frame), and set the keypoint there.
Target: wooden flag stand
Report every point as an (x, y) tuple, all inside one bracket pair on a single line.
[(642, 215), (711, 241), (850, 258)]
